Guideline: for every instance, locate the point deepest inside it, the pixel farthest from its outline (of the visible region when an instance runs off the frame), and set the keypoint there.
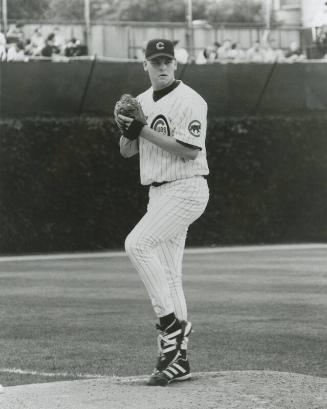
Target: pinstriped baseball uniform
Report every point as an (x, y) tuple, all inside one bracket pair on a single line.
[(156, 244)]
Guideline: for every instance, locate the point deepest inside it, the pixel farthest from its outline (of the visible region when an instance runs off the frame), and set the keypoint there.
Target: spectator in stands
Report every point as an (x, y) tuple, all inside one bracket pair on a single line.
[(3, 43), (255, 53), (37, 42), (20, 32), (207, 55), (236, 54), (15, 34), (50, 49), (28, 48), (74, 48), (272, 53), (294, 53), (181, 53), (16, 52), (223, 52), (59, 41), (322, 39)]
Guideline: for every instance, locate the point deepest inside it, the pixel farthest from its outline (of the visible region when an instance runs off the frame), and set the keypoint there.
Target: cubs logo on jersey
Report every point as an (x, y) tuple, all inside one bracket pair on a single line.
[(195, 128), (160, 124)]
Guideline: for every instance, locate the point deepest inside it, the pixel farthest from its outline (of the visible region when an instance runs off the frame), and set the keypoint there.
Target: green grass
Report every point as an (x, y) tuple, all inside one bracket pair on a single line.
[(250, 310)]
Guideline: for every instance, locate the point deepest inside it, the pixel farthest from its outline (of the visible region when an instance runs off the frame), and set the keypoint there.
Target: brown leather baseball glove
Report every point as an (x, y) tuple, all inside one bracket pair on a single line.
[(128, 106)]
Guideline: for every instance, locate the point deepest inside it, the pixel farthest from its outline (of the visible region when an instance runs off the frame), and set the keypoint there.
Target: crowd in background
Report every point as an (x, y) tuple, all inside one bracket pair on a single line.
[(14, 46), (264, 51), (321, 40), (229, 52)]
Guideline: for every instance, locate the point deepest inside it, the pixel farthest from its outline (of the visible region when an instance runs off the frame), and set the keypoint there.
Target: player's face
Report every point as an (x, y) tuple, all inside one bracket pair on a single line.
[(161, 71)]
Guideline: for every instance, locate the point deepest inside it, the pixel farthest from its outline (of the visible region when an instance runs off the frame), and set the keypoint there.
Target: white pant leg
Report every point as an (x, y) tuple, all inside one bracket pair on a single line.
[(172, 208), (171, 257)]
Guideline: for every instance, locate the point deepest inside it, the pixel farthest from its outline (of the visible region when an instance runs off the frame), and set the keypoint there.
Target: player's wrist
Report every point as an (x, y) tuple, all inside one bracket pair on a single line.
[(134, 130)]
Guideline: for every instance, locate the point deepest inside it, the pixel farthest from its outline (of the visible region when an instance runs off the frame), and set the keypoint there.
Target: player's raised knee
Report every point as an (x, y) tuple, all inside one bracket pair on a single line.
[(136, 245), (128, 244), (131, 245)]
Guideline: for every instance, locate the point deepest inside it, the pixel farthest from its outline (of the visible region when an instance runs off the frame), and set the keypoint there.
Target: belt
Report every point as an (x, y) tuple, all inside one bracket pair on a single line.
[(157, 184)]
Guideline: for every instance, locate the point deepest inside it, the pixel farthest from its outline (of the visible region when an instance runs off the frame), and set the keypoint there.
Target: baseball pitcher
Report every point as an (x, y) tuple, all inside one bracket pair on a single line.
[(166, 127)]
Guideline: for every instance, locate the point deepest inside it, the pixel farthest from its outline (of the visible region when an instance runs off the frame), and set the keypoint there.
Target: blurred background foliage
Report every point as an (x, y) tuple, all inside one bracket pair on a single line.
[(65, 187), (213, 11)]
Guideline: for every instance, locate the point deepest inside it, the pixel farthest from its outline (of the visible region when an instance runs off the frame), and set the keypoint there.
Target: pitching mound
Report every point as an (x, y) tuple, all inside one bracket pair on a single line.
[(216, 390)]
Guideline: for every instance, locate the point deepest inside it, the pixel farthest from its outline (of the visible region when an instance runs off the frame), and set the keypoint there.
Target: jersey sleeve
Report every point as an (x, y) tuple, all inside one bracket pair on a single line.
[(127, 147), (191, 123)]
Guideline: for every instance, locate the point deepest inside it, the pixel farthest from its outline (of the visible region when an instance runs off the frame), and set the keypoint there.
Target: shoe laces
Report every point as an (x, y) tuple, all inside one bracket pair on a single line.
[(167, 341)]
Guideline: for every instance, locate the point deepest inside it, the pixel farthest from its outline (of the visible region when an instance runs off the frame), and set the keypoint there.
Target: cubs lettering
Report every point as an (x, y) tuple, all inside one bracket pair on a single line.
[(160, 124)]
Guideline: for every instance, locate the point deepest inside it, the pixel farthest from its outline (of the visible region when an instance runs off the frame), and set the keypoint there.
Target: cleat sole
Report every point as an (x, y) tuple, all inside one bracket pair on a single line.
[(182, 378)]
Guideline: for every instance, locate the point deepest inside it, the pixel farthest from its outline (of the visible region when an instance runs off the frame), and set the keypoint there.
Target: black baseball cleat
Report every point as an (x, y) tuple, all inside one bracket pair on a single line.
[(172, 343), (177, 371), (169, 341), (172, 348)]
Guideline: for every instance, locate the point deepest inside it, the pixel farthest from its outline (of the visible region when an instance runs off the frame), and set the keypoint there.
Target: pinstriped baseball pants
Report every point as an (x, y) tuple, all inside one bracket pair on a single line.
[(156, 244)]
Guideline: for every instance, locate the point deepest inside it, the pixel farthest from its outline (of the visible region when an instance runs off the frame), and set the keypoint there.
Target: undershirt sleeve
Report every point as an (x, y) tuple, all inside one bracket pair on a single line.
[(188, 145)]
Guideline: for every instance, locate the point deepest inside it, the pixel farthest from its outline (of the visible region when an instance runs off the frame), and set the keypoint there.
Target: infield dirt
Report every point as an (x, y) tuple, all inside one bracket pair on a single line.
[(215, 390)]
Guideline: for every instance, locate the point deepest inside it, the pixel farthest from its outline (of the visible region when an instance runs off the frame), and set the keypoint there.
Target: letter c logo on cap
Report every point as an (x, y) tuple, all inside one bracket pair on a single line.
[(160, 46)]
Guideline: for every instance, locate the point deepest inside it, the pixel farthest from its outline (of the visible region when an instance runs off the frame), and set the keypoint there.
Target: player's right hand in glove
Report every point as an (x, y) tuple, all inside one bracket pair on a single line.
[(128, 108)]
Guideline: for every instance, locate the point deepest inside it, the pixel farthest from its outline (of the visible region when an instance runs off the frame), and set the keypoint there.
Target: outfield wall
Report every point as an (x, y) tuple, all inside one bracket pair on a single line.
[(58, 88)]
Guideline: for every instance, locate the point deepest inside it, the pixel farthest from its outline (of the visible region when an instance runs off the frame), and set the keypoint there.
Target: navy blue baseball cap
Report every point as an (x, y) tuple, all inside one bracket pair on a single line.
[(159, 47)]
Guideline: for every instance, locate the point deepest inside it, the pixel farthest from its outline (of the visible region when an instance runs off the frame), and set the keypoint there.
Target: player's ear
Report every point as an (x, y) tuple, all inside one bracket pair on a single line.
[(175, 64), (145, 65)]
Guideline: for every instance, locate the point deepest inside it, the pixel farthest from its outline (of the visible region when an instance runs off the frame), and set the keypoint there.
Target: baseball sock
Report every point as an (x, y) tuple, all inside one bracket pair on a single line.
[(169, 321)]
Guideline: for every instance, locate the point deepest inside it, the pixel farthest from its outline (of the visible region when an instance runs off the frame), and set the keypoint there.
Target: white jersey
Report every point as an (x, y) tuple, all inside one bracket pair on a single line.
[(180, 114)]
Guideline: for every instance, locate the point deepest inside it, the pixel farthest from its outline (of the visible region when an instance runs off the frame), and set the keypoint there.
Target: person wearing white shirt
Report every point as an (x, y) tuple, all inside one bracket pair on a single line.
[(169, 138), (3, 43)]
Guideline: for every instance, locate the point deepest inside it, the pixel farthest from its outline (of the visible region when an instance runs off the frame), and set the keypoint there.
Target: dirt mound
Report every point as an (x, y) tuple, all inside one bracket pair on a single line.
[(214, 390)]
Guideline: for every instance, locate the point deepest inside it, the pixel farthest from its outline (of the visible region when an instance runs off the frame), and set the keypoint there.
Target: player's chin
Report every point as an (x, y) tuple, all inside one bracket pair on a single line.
[(164, 79)]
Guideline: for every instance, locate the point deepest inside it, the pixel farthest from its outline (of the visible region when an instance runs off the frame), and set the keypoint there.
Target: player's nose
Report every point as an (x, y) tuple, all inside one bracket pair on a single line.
[(162, 65)]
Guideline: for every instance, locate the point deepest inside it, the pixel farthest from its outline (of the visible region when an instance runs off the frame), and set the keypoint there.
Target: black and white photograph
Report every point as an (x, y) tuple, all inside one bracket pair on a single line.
[(163, 204)]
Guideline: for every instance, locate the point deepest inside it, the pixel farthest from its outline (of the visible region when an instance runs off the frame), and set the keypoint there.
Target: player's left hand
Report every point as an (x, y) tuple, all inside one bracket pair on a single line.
[(128, 106), (129, 116), (123, 121)]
